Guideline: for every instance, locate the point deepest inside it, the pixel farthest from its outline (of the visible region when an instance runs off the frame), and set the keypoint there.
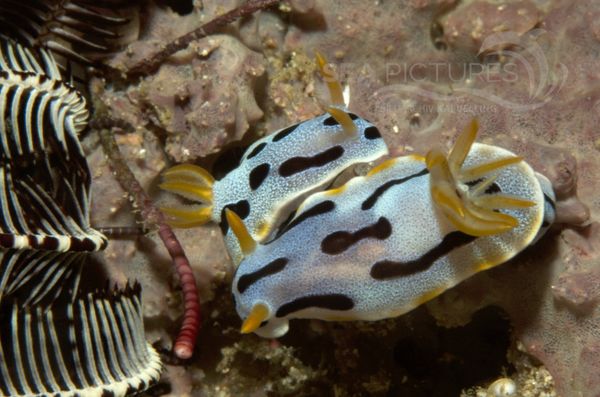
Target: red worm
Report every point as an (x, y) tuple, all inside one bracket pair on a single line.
[(186, 340)]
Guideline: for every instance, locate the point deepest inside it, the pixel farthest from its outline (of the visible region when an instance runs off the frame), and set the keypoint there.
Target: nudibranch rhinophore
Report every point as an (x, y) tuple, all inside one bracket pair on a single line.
[(385, 243), (276, 173)]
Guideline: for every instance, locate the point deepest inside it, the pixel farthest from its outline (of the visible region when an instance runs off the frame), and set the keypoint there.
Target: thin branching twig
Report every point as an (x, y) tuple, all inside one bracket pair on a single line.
[(153, 218), (150, 65)]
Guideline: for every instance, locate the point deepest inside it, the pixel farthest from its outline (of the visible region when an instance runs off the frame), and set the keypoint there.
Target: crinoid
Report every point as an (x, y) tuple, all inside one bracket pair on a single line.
[(92, 346), (44, 179), (79, 31), (55, 338)]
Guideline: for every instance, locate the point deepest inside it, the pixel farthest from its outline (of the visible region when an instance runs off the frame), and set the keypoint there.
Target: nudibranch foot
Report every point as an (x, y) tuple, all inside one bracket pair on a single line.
[(549, 205), (460, 192)]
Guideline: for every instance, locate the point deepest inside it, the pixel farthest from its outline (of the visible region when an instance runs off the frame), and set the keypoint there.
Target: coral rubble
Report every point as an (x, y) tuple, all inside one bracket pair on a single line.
[(419, 70)]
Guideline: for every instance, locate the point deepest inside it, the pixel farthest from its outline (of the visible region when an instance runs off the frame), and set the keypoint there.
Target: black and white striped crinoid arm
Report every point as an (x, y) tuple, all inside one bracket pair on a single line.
[(44, 176), (44, 179), (55, 339), (40, 112), (15, 57), (80, 31), (93, 346)]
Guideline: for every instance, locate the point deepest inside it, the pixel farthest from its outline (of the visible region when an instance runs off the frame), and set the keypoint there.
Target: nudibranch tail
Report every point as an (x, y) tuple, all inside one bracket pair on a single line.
[(247, 243), (334, 86), (345, 121), (459, 192), (258, 314), (194, 183)]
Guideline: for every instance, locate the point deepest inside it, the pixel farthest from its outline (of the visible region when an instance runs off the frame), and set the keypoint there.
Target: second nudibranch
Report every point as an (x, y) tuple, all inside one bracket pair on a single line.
[(387, 242), (276, 173)]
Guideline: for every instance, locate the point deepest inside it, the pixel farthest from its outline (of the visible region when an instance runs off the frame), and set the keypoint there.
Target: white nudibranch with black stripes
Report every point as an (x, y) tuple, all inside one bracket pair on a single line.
[(385, 243), (276, 173)]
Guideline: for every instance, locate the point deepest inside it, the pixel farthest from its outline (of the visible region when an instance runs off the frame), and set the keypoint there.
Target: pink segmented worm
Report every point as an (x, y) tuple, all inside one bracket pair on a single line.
[(186, 340)]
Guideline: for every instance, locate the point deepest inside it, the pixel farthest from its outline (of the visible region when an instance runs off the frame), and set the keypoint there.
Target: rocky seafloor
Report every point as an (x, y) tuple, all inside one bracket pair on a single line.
[(420, 70)]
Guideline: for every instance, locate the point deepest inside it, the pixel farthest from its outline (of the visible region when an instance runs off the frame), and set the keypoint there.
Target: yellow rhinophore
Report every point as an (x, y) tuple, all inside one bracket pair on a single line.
[(258, 314), (344, 119), (247, 243), (334, 86)]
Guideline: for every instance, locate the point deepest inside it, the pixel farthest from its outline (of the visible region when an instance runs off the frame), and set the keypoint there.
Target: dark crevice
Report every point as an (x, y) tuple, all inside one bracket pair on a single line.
[(182, 7), (436, 29), (444, 362), (436, 33)]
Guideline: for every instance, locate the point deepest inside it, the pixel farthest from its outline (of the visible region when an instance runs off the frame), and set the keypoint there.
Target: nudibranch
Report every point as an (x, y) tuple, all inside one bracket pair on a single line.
[(276, 173), (385, 243)]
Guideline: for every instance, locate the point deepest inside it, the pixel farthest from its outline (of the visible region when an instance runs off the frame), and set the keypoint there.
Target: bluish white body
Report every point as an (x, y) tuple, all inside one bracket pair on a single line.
[(326, 151), (376, 247), (383, 247), (275, 174)]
